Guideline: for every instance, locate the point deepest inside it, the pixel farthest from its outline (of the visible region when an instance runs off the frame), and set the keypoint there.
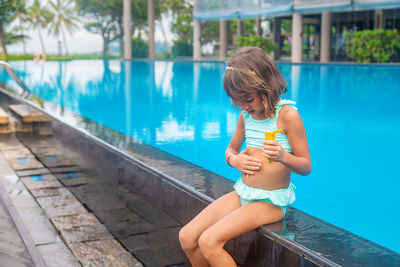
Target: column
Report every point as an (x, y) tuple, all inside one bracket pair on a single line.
[(276, 37), (239, 31), (258, 26), (127, 29), (196, 40), (297, 48), (326, 30), (223, 38), (379, 19), (150, 15)]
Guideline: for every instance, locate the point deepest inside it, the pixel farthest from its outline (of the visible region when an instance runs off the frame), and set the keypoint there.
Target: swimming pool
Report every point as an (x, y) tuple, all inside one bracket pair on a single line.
[(350, 113)]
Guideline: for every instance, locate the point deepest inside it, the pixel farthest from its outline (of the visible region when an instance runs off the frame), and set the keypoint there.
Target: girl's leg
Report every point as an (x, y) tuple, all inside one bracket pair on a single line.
[(240, 221), (190, 233)]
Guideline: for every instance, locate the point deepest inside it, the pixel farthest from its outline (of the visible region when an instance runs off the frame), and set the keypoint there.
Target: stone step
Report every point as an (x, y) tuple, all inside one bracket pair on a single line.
[(28, 114), (13, 124), (32, 120), (4, 119)]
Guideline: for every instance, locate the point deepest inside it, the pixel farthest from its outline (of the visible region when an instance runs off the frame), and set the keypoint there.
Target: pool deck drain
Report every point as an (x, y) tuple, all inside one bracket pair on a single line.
[(59, 203)]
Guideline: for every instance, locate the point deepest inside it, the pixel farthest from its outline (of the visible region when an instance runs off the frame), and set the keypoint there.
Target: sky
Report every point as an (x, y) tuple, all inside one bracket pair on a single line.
[(82, 41)]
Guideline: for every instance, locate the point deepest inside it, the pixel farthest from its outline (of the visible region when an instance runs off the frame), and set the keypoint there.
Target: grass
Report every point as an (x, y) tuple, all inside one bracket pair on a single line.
[(12, 57)]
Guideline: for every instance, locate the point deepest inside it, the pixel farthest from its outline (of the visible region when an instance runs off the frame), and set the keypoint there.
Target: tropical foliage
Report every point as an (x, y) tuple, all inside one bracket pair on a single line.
[(372, 45), (64, 17), (264, 43)]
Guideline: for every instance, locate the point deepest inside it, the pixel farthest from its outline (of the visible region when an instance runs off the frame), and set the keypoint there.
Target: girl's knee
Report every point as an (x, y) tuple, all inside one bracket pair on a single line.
[(209, 244), (187, 239)]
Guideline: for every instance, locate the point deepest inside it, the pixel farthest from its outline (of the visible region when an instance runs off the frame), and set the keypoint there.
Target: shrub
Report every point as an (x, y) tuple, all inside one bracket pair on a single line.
[(372, 45), (182, 48), (258, 41), (140, 48)]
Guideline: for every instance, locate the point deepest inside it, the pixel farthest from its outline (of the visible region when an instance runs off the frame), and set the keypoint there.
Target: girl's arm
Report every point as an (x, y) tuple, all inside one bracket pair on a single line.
[(241, 161), (299, 162)]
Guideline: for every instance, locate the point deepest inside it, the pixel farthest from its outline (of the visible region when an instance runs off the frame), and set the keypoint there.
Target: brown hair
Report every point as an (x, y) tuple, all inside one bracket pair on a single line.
[(251, 70)]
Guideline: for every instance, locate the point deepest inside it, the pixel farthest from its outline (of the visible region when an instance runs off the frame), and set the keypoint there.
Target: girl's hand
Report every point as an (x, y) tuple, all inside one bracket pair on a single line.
[(245, 163), (273, 150)]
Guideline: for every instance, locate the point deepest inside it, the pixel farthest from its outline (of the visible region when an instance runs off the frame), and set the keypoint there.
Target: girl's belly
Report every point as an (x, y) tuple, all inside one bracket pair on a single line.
[(272, 175)]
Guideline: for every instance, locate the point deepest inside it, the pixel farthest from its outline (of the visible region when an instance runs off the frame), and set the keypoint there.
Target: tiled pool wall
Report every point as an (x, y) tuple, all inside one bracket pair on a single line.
[(182, 196)]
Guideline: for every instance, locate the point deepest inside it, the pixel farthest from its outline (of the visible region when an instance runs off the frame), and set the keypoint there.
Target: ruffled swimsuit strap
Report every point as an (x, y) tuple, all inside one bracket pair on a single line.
[(282, 103)]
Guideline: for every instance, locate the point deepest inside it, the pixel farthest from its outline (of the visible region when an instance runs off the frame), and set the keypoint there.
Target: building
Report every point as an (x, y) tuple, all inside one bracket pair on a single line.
[(318, 27)]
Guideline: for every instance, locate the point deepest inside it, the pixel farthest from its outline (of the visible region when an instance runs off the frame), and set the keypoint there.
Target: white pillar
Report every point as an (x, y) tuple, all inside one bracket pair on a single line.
[(223, 38), (326, 29), (379, 19), (297, 48), (150, 15), (196, 40), (127, 30)]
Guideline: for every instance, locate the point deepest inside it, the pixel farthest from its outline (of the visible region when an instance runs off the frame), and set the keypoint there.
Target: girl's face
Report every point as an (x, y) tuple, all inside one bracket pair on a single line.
[(253, 106)]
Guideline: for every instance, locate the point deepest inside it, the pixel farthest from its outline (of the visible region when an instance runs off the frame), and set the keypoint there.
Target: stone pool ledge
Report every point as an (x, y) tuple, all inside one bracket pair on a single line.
[(182, 189)]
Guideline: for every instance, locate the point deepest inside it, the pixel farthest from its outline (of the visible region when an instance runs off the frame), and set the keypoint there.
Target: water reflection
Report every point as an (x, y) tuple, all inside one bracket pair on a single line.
[(181, 108)]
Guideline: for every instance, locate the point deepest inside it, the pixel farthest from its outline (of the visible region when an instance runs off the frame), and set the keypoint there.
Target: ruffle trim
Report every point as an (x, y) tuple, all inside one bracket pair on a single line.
[(286, 102), (280, 197)]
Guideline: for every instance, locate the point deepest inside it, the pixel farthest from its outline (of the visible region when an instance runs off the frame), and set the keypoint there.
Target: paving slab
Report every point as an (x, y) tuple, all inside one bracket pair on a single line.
[(56, 201), (126, 229), (75, 208), (41, 181), (73, 179), (47, 192), (65, 169), (17, 153), (149, 212), (120, 215), (22, 199), (56, 255), (10, 144), (67, 222), (85, 233), (156, 249), (121, 260), (33, 172), (95, 249), (13, 251), (38, 225), (25, 163), (54, 159)]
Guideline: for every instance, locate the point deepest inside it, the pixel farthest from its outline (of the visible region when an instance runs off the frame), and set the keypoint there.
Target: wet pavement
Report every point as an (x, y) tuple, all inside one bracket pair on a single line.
[(94, 222)]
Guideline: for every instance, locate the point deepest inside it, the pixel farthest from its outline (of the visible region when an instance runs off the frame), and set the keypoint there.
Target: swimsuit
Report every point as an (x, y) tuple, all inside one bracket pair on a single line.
[(255, 132)]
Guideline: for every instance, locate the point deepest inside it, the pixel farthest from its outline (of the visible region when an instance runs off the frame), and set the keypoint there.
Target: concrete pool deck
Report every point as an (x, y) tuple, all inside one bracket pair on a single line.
[(63, 232)]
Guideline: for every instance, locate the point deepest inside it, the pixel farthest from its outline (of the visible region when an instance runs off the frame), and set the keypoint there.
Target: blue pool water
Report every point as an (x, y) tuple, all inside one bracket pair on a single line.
[(351, 115)]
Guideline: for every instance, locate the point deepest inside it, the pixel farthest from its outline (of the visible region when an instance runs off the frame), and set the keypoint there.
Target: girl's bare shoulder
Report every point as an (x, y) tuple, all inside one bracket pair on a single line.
[(288, 117)]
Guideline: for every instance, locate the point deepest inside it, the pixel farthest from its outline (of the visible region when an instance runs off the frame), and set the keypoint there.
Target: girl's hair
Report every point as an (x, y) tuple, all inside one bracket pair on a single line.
[(252, 71)]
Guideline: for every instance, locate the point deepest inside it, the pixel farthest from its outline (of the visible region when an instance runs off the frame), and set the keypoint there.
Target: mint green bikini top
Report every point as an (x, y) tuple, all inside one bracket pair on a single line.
[(255, 129)]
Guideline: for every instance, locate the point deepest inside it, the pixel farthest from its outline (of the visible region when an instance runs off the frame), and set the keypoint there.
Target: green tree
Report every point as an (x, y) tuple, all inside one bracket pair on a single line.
[(104, 19), (22, 17), (64, 17), (7, 12), (40, 18)]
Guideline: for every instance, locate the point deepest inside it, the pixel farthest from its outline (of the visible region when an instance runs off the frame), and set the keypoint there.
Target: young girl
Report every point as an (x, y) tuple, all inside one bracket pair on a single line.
[(262, 193)]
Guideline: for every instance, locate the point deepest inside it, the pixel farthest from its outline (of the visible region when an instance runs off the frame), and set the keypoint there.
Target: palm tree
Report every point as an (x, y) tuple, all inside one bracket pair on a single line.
[(21, 16), (65, 16), (39, 17)]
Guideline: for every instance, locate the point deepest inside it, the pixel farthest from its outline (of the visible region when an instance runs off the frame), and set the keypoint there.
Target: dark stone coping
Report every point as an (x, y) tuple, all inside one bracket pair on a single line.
[(182, 189)]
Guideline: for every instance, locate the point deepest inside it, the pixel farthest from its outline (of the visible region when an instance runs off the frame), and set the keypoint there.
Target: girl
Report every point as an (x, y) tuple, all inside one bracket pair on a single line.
[(262, 193)]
